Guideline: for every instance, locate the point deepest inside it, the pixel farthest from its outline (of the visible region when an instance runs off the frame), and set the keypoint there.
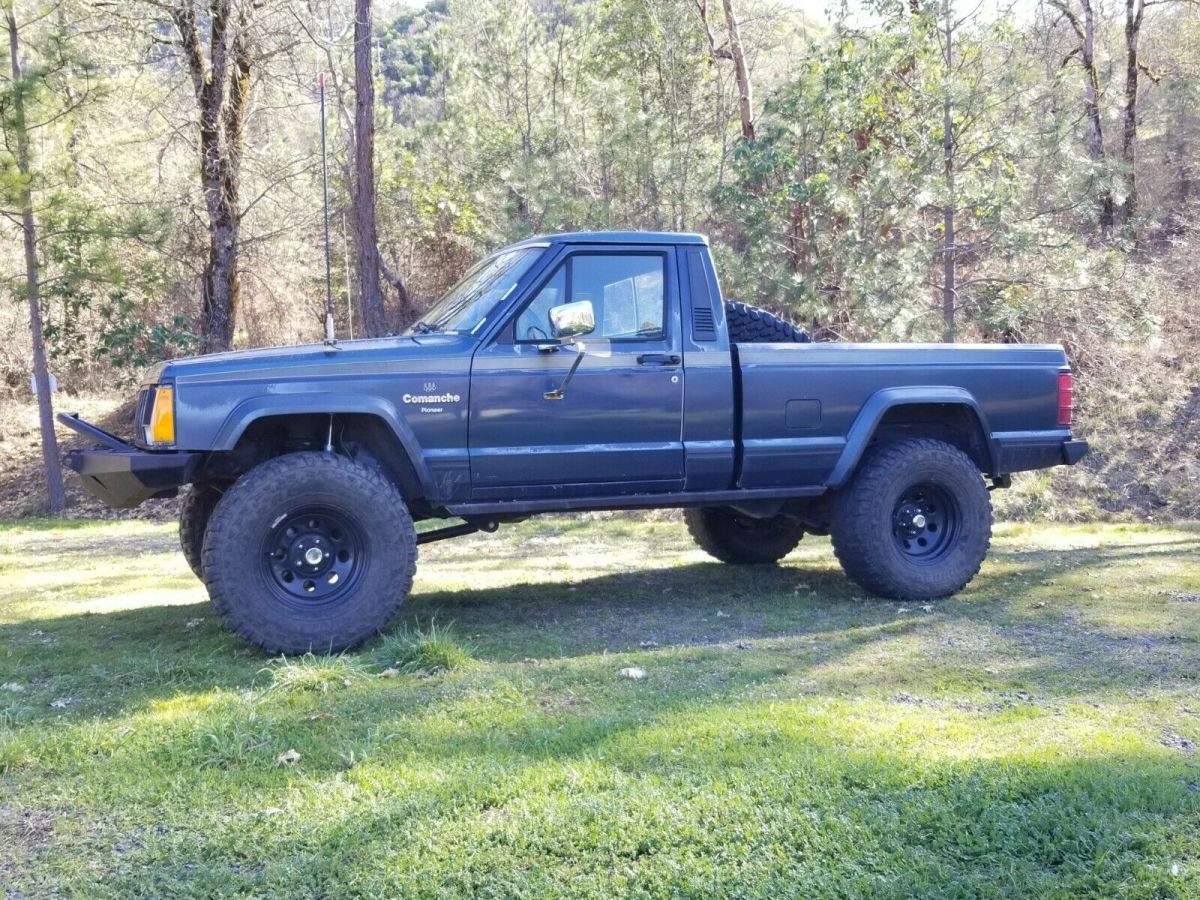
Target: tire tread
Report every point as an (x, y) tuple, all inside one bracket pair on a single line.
[(856, 505), (229, 527)]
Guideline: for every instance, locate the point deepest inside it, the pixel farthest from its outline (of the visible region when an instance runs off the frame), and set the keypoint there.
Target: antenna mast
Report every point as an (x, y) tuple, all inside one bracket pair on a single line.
[(330, 340)]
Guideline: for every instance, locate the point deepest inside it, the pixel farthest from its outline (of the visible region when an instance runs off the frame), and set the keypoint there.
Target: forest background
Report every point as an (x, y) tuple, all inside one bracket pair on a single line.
[(916, 171)]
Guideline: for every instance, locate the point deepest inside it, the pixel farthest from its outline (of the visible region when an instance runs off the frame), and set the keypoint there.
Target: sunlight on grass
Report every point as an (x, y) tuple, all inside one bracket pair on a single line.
[(311, 672), (791, 737), (430, 650)]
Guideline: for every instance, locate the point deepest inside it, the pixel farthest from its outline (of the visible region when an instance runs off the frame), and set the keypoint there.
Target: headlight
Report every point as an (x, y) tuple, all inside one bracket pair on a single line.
[(160, 424)]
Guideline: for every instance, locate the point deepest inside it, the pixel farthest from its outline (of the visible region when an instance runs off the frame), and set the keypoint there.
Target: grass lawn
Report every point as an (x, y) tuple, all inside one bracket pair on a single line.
[(1034, 736)]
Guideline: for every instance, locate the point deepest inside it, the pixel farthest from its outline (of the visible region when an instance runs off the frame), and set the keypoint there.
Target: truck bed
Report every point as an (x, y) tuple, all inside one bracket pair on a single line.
[(803, 404)]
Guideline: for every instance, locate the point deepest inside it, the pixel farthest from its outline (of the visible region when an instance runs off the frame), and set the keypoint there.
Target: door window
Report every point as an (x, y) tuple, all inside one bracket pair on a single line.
[(626, 291)]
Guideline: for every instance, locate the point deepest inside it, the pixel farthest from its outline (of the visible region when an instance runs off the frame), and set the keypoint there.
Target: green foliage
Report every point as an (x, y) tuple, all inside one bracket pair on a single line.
[(100, 279)]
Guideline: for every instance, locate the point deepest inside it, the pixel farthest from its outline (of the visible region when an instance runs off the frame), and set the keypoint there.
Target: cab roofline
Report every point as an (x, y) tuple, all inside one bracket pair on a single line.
[(614, 237)]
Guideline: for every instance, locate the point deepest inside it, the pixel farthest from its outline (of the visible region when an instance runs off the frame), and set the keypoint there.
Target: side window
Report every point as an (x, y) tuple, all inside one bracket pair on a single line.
[(534, 323), (626, 292)]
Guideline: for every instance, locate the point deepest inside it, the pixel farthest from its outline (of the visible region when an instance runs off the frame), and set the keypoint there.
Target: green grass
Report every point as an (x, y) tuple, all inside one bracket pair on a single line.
[(1034, 736)]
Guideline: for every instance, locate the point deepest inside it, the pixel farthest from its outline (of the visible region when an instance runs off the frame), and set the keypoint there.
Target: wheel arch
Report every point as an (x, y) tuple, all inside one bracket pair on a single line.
[(951, 414), (370, 422)]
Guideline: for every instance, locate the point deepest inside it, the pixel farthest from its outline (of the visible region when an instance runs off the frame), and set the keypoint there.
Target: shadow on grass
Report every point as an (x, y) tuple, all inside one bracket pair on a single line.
[(151, 652), (692, 782)]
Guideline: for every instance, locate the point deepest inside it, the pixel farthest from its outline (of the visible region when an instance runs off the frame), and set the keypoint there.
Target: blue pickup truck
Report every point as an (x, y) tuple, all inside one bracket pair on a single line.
[(576, 372)]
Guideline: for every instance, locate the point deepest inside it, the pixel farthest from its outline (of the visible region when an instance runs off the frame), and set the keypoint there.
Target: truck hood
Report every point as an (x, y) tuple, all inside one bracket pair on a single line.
[(269, 361)]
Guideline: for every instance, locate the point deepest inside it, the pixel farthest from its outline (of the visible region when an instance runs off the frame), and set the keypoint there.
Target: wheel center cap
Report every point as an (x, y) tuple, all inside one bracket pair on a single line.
[(314, 555), (918, 520)]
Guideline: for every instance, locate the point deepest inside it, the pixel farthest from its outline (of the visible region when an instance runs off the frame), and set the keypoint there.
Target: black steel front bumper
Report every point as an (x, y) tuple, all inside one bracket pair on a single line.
[(122, 475)]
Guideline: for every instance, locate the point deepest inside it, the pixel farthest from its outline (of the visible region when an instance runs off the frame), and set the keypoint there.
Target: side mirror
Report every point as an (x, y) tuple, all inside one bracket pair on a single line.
[(573, 319)]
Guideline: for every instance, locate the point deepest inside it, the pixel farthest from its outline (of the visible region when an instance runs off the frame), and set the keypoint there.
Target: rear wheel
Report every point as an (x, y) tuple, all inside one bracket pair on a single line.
[(735, 538), (309, 551), (915, 522)]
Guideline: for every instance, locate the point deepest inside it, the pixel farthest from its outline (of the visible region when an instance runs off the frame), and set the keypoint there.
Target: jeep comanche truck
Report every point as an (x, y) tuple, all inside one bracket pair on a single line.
[(593, 371)]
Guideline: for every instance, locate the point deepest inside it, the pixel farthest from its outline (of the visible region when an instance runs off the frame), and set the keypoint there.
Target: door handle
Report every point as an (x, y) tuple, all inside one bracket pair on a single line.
[(659, 359)]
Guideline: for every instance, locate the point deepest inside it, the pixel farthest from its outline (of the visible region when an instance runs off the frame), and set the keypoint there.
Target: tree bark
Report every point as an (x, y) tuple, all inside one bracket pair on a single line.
[(374, 314), (221, 83), (41, 372), (1085, 31), (1091, 102), (741, 73), (1129, 137), (949, 249)]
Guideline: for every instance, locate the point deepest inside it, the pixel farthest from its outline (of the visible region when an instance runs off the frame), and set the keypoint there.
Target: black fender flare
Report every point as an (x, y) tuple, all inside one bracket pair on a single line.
[(881, 401), (325, 403)]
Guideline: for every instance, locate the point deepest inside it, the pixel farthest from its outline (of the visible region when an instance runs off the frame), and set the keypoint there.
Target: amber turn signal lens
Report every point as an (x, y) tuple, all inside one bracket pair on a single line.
[(161, 429)]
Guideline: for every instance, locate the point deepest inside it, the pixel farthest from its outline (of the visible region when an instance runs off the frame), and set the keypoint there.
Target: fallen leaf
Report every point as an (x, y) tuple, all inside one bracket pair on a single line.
[(12, 686), (290, 758)]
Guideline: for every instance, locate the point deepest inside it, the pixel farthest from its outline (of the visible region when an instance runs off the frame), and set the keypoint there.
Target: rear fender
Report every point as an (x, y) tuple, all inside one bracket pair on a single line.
[(876, 408)]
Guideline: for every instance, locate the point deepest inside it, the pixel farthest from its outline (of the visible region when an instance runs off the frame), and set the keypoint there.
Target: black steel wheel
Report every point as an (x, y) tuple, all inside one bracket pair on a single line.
[(915, 521), (313, 555), (309, 551), (925, 522)]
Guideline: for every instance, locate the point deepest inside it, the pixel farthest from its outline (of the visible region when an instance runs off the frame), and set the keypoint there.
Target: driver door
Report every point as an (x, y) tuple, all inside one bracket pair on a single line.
[(618, 427)]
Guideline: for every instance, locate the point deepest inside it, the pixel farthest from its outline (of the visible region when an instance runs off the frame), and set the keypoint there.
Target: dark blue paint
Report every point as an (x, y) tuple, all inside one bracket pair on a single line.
[(671, 421)]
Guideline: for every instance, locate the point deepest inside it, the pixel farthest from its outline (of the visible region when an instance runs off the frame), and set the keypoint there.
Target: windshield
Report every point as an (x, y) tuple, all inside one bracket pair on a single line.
[(466, 306)]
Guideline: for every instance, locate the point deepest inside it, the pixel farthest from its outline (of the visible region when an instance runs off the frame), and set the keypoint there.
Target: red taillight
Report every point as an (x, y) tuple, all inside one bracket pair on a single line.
[(1066, 398)]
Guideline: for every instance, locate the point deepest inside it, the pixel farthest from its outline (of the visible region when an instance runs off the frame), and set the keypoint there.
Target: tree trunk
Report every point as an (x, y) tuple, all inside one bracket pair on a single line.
[(41, 373), (949, 250), (741, 73), (374, 315), (1095, 136), (221, 84), (1133, 28)]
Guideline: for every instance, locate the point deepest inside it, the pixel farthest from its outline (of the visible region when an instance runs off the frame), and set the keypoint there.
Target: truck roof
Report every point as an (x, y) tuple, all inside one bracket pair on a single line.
[(616, 237)]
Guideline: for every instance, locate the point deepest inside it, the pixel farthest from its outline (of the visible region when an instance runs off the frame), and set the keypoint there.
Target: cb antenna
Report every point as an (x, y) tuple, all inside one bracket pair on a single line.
[(330, 340)]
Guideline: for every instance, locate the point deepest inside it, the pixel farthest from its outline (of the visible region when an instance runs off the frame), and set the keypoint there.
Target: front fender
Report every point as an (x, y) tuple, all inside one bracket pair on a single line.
[(323, 403), (880, 402)]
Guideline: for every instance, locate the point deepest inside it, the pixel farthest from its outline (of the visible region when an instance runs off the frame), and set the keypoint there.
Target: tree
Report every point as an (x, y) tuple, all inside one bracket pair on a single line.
[(732, 49), (219, 63), (370, 261), (949, 248), (1083, 24), (19, 184)]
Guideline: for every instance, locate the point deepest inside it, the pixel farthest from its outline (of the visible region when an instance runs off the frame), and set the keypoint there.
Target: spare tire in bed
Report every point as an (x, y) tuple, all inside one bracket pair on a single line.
[(751, 325)]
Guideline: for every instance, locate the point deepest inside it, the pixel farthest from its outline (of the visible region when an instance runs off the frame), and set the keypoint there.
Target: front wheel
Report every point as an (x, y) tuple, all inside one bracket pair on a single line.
[(735, 538), (915, 522), (309, 551)]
